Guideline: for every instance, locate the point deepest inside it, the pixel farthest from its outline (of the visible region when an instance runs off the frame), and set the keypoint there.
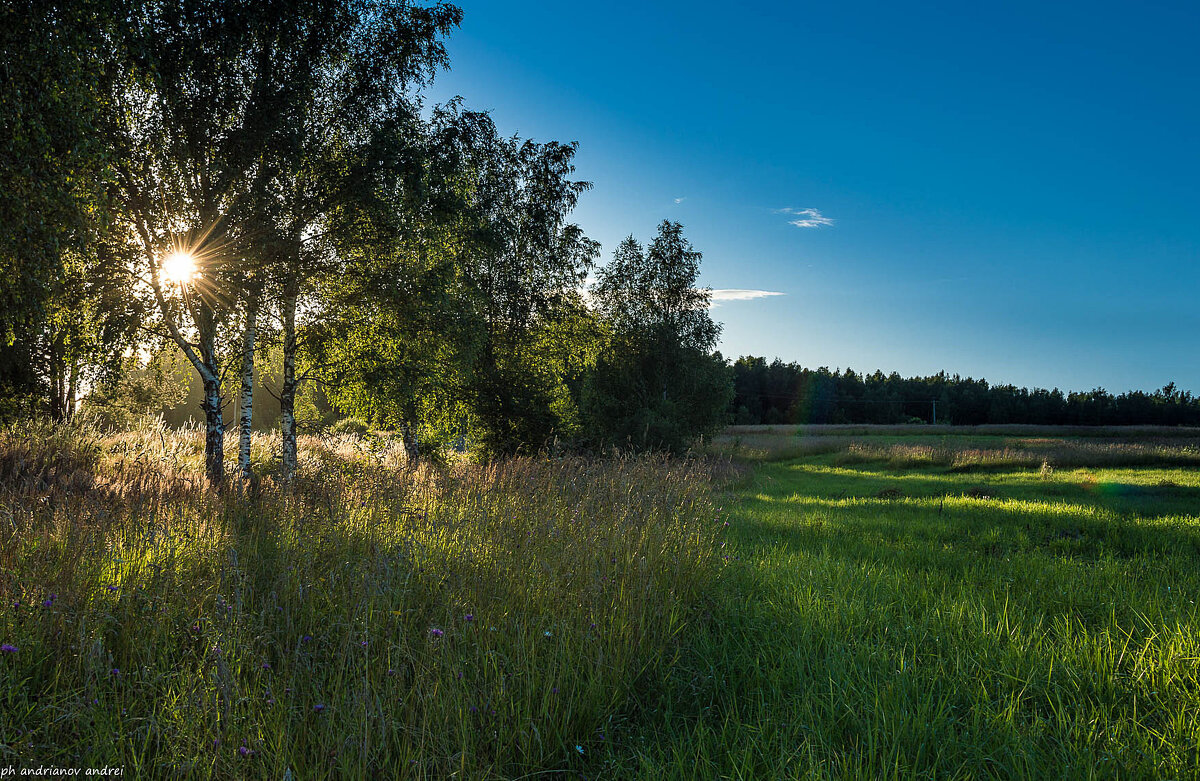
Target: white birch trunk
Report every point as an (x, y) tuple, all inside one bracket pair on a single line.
[(287, 394), (246, 399)]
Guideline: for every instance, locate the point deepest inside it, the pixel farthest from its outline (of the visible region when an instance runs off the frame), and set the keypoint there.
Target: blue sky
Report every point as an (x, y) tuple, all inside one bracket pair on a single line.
[(1006, 190)]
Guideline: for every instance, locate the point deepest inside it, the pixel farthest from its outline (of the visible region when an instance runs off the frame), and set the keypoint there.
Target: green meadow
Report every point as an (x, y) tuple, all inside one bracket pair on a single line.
[(900, 605), (914, 606)]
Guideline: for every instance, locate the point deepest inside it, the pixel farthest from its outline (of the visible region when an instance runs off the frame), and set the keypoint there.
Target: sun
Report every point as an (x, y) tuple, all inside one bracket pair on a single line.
[(179, 266)]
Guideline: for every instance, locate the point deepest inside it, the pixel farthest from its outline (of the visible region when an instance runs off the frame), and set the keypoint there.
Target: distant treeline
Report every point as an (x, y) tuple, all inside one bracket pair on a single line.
[(779, 392)]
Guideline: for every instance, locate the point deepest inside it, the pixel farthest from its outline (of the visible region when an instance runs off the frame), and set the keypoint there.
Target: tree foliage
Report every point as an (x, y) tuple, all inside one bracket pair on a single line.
[(778, 392), (657, 383)]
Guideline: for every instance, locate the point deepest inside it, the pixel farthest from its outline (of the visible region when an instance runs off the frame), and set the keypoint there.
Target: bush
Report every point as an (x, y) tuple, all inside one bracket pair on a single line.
[(356, 426)]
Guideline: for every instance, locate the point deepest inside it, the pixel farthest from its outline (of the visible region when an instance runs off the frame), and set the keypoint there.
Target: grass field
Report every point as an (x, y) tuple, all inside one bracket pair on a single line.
[(910, 618), (893, 604)]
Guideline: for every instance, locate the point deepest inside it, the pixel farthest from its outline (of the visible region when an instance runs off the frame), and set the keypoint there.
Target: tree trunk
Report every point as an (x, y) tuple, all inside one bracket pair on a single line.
[(58, 383), (411, 449), (287, 394), (214, 433), (210, 374), (246, 400), (72, 390)]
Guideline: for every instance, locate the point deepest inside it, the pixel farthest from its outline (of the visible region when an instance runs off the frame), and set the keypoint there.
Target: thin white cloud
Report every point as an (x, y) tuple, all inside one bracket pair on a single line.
[(738, 294), (680, 200), (805, 218)]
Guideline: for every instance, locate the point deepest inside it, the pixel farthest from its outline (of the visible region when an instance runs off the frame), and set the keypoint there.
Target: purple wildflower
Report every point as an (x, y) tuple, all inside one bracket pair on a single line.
[(319, 708), (306, 639), (114, 672), (266, 665), (435, 633), (245, 752), (363, 643), (8, 648), (469, 617), (554, 690)]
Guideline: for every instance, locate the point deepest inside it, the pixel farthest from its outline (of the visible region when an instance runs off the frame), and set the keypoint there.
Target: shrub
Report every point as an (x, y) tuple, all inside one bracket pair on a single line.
[(356, 426)]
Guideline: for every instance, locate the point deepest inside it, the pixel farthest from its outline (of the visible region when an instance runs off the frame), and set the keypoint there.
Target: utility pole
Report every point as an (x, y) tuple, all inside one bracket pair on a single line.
[(934, 421)]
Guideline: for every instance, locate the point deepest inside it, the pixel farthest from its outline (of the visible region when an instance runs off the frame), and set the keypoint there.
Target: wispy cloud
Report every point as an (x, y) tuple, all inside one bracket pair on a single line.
[(681, 200), (738, 294), (806, 218)]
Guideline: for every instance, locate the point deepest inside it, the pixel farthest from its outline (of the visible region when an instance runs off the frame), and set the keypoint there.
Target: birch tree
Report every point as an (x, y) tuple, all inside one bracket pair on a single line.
[(352, 118), (189, 118)]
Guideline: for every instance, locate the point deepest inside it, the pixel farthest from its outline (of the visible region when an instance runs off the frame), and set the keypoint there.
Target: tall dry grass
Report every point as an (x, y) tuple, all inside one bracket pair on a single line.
[(370, 620), (967, 449)]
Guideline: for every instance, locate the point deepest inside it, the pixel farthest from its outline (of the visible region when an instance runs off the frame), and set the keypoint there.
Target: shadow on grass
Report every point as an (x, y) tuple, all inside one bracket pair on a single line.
[(871, 515)]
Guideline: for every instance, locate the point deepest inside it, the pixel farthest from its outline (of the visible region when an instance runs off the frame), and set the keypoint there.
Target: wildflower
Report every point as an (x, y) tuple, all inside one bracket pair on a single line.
[(548, 633), (363, 643), (474, 709), (8, 648), (245, 752), (114, 672), (554, 690), (319, 708), (469, 617), (436, 633), (266, 665), (458, 677), (306, 639), (579, 749), (112, 589), (391, 672)]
